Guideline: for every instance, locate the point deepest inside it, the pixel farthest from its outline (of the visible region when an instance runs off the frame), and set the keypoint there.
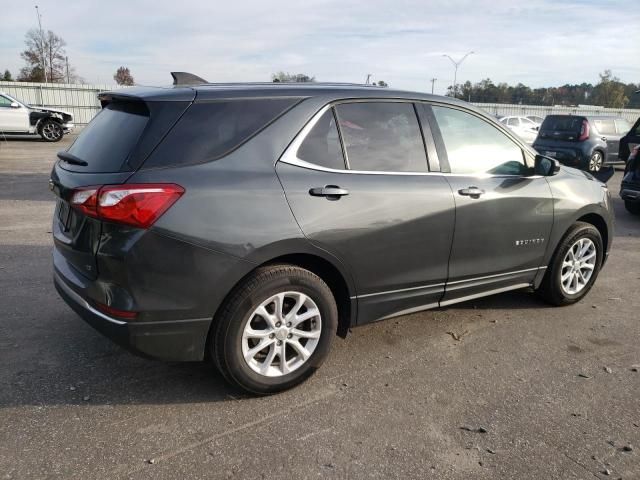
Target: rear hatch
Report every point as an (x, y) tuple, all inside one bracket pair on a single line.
[(107, 152), (562, 128)]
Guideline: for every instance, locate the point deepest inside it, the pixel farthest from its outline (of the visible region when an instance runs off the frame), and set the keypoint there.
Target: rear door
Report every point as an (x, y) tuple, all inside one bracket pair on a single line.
[(607, 129), (503, 213), (371, 203)]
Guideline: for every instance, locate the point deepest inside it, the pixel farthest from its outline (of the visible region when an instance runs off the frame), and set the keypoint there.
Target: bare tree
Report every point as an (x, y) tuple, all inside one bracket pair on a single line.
[(123, 76), (45, 50)]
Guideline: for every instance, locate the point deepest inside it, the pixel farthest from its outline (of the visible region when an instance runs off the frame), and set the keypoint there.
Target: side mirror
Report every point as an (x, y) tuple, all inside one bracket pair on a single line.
[(14, 105), (546, 166)]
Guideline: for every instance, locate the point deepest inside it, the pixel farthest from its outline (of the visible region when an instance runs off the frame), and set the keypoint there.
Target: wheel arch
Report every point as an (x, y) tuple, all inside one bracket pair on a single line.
[(599, 222), (334, 276)]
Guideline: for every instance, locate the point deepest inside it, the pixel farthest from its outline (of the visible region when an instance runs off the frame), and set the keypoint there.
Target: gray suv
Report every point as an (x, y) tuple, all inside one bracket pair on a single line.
[(251, 223)]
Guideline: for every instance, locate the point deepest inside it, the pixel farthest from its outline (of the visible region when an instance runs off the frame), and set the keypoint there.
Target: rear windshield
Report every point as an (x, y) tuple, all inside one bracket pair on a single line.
[(561, 127), (210, 130), (564, 123), (106, 143)]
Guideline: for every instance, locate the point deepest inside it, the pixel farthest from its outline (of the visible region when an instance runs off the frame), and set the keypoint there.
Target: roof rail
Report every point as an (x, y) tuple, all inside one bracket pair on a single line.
[(289, 84), (186, 78)]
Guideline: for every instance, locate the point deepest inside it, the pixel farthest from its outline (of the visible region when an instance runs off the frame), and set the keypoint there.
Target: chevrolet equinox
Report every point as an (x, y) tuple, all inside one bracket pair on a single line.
[(251, 223)]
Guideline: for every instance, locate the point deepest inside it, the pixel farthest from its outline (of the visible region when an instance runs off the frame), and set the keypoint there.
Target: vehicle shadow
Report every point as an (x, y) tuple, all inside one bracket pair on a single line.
[(21, 138), (51, 357), (514, 300)]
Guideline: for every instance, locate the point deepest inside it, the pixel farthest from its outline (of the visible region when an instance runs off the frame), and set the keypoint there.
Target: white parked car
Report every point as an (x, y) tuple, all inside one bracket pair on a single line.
[(522, 126), (19, 118), (536, 119)]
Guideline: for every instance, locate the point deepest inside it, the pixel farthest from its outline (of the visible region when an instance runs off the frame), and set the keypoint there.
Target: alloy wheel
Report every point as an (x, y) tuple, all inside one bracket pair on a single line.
[(595, 162), (578, 266), (281, 334), (51, 131)]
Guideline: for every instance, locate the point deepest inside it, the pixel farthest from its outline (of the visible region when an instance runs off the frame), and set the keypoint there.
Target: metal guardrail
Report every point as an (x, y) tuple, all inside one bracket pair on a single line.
[(506, 109), (82, 102)]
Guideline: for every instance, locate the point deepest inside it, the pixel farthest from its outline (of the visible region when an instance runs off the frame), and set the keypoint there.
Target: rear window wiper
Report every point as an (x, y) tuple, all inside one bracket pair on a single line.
[(72, 159)]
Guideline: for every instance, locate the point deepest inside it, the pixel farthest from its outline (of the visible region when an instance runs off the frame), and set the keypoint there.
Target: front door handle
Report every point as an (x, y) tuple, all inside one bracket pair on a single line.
[(332, 192), (473, 192)]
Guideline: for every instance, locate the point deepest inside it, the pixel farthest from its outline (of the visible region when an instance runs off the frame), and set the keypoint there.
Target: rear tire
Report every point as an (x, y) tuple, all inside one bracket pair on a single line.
[(632, 207), (595, 162), (573, 271), (51, 131), (264, 310)]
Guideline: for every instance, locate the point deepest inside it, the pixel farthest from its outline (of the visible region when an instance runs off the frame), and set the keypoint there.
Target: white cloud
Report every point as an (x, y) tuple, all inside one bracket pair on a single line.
[(540, 42)]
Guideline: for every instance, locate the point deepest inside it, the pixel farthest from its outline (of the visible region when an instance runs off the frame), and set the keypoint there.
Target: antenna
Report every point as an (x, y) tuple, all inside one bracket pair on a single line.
[(186, 78)]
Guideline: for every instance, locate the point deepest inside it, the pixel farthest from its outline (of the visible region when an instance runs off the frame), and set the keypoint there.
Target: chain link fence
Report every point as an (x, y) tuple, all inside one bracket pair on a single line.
[(80, 100), (505, 110)]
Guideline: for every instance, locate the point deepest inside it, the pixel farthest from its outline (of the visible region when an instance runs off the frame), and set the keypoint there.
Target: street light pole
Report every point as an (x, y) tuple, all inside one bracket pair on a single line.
[(368, 77), (44, 59), (433, 82), (455, 72)]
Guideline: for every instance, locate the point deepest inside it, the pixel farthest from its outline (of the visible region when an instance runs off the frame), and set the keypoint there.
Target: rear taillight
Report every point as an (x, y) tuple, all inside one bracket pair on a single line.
[(584, 131), (138, 205)]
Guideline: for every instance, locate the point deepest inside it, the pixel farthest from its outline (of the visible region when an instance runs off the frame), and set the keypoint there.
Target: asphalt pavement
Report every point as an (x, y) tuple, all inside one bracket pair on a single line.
[(502, 387)]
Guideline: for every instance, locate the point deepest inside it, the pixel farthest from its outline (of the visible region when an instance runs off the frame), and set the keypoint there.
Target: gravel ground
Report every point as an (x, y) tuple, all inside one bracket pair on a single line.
[(528, 391)]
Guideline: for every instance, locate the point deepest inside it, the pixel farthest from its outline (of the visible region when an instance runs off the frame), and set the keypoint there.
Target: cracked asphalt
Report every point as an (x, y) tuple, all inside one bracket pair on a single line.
[(528, 391)]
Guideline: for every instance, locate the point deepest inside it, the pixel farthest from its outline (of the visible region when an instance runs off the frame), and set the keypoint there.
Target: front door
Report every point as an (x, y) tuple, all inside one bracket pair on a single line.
[(375, 208), (504, 214), (13, 119)]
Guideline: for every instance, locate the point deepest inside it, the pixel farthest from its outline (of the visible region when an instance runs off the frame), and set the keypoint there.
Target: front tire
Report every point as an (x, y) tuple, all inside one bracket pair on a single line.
[(275, 329), (574, 266), (632, 207), (51, 131)]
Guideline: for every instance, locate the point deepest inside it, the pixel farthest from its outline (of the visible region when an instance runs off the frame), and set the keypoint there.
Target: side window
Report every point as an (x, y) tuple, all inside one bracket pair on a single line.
[(513, 122), (382, 136), (622, 126), (475, 147), (605, 127), (322, 145), (4, 101)]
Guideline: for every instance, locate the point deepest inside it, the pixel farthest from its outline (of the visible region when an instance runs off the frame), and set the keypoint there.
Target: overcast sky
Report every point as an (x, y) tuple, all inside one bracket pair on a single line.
[(537, 42)]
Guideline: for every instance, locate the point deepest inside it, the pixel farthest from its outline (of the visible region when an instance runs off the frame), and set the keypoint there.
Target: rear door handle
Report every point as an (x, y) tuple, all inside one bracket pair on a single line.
[(473, 192), (332, 192)]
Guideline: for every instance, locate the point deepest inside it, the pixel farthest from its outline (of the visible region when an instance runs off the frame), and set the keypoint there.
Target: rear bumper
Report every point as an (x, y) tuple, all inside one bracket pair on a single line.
[(179, 340), (571, 157)]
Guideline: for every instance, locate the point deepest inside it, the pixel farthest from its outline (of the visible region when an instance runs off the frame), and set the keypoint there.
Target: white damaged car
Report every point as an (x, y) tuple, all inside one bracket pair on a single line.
[(19, 118)]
